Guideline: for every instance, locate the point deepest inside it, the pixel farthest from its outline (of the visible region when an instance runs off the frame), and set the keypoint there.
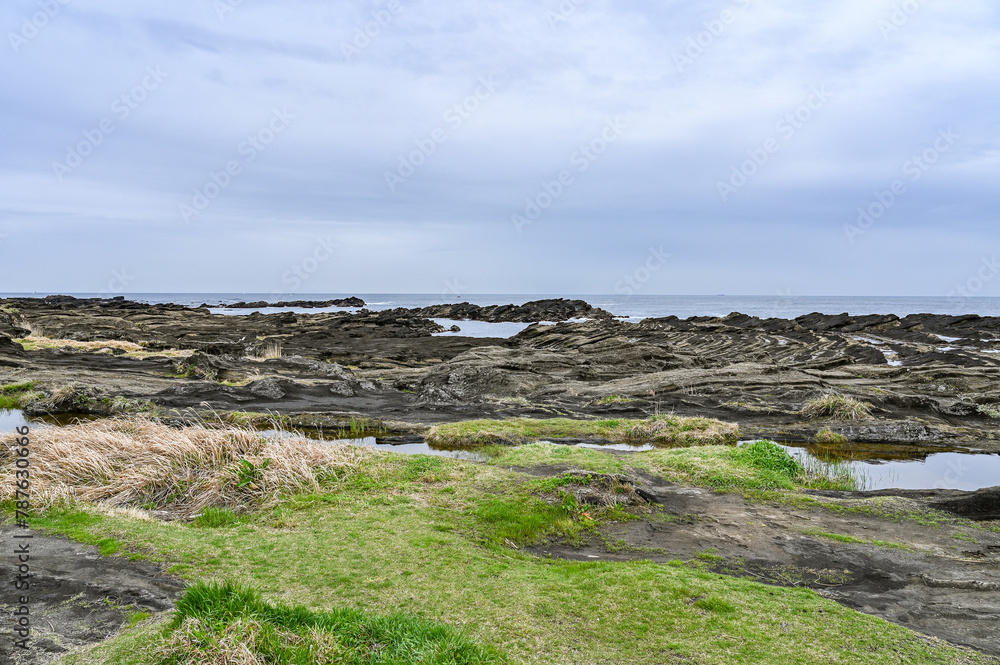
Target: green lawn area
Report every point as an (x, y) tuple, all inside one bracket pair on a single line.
[(434, 540)]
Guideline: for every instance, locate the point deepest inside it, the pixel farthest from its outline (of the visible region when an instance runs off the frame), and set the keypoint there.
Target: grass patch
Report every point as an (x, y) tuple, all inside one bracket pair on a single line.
[(613, 399), (827, 435), (525, 521), (357, 428), (515, 431), (842, 538), (270, 350), (225, 623), (19, 395), (215, 518), (251, 419), (130, 349), (135, 618), (388, 539), (121, 404), (762, 465), (140, 463), (841, 407)]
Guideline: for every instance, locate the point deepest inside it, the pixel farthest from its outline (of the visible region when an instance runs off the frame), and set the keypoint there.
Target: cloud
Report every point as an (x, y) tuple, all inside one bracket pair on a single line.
[(702, 88)]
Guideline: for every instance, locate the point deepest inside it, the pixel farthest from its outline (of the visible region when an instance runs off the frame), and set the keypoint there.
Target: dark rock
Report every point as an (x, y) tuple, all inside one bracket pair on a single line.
[(980, 505), (303, 304), (558, 309), (268, 387), (9, 347), (896, 432)]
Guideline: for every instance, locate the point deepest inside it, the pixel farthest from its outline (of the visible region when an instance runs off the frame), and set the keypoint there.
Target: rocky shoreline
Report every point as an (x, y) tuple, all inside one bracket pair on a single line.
[(923, 380), (923, 383)]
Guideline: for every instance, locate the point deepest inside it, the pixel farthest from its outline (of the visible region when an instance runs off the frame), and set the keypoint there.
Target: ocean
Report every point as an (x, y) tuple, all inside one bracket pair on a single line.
[(634, 307)]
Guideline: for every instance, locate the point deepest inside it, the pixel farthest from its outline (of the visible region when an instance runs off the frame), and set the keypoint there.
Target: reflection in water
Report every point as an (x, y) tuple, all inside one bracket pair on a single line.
[(410, 448), (883, 466), (918, 471), (10, 420), (622, 447)]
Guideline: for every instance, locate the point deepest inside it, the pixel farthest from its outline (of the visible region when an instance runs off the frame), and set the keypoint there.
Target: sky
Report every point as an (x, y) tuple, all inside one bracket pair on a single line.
[(624, 147)]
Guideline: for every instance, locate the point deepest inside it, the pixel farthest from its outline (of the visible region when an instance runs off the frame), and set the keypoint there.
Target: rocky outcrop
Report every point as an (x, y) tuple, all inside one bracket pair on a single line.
[(303, 304), (558, 309)]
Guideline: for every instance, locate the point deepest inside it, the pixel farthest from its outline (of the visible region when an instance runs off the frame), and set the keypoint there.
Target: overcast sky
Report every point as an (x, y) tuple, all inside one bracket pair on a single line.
[(595, 146)]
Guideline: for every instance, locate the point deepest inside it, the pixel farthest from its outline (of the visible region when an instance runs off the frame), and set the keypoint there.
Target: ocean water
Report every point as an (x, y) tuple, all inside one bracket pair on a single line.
[(635, 307)]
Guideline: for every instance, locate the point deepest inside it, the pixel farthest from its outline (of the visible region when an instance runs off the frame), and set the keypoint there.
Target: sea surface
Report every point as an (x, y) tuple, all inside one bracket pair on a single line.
[(634, 307)]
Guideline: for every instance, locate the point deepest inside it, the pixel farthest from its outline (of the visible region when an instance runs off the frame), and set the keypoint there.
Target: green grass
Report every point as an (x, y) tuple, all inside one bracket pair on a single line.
[(19, 395), (216, 518), (361, 427), (842, 538), (215, 621), (135, 618), (251, 419), (514, 431), (613, 399), (758, 466), (427, 538)]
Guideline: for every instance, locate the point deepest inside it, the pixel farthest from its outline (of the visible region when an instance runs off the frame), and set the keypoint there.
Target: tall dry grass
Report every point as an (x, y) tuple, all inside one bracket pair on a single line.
[(136, 462)]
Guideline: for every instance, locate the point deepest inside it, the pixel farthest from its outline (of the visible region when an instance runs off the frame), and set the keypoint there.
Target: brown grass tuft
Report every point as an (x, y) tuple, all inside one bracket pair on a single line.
[(135, 462), (841, 407)]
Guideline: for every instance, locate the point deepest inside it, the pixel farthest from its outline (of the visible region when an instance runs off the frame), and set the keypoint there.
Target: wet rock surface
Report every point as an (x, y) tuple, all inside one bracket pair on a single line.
[(927, 380), (78, 597)]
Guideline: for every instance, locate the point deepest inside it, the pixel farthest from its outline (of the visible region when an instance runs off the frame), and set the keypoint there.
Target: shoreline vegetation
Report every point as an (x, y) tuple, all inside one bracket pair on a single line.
[(429, 559)]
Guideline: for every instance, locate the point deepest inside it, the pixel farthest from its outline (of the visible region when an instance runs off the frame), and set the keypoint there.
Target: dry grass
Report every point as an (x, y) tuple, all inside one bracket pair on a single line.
[(38, 342), (35, 342), (135, 462), (841, 407), (270, 350), (677, 430)]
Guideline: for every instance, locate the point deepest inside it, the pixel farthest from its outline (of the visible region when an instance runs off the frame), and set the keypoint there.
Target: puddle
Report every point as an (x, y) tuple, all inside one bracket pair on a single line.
[(882, 466), (479, 328), (891, 357), (408, 448), (10, 420), (890, 467), (621, 447)]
